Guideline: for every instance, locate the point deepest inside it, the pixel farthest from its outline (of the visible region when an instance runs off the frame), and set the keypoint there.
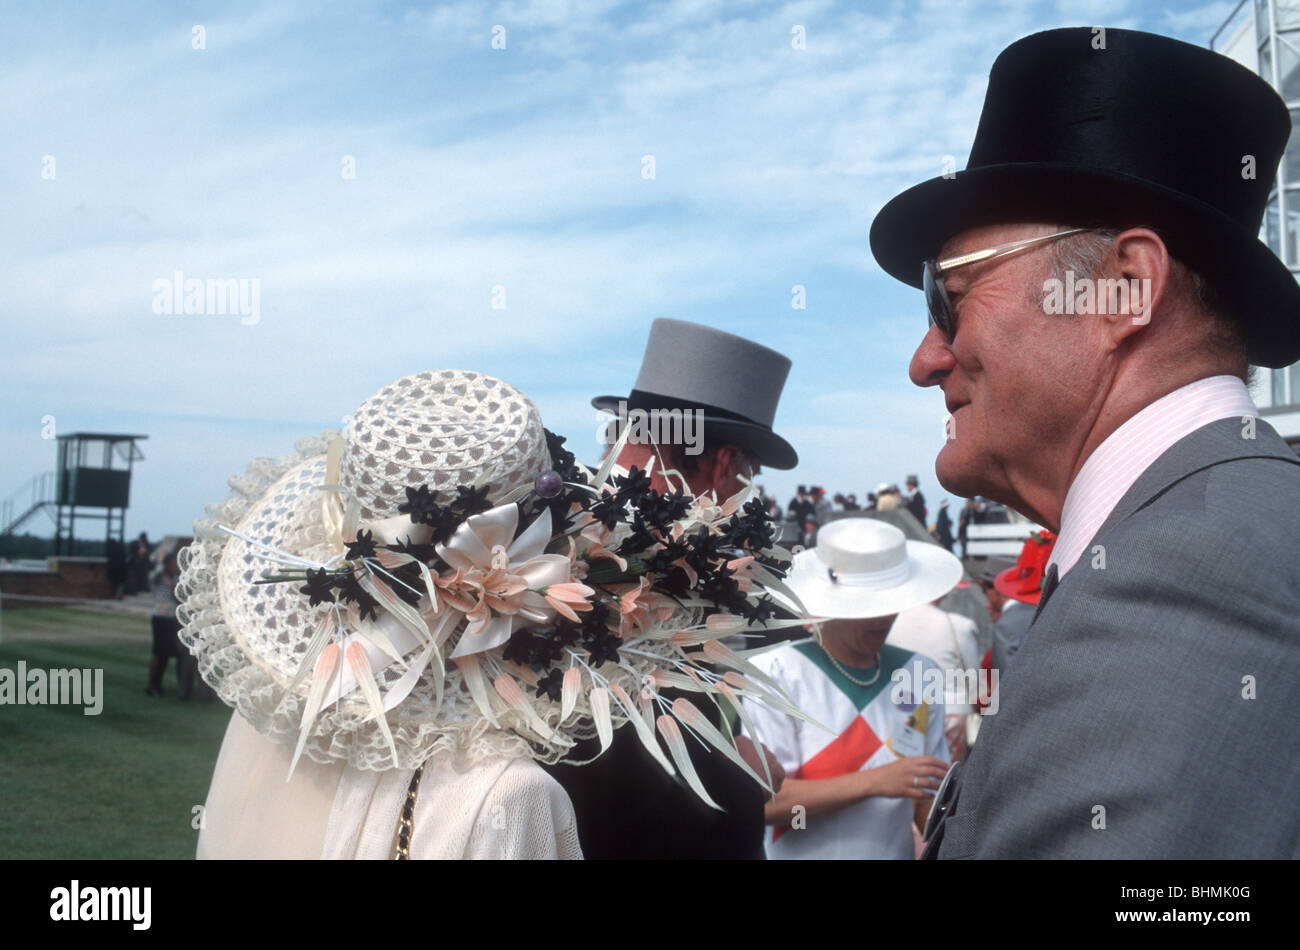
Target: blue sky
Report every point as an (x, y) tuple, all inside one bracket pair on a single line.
[(475, 168)]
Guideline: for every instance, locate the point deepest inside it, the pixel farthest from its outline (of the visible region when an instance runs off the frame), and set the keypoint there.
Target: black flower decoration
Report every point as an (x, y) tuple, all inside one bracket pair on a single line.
[(640, 538), (552, 685), (320, 587), (519, 648), (421, 504), (407, 582), (632, 486), (562, 459), (603, 648), (595, 621), (470, 501), (720, 587), (660, 511), (539, 647), (362, 547), (425, 553), (755, 611), (350, 590), (608, 511), (702, 548)]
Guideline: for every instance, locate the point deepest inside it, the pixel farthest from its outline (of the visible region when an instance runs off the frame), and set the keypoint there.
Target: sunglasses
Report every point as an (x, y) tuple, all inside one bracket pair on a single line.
[(933, 271)]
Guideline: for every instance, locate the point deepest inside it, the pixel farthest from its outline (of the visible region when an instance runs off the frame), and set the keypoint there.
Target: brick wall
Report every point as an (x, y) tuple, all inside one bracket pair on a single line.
[(73, 577)]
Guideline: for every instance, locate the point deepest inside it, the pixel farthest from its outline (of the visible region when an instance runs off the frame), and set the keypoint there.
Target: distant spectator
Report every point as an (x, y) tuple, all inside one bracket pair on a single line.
[(166, 643), (851, 503), (859, 790), (801, 507), (821, 505), (138, 564), (888, 498), (915, 500), (808, 536), (943, 527), (115, 553), (963, 526), (1021, 586)]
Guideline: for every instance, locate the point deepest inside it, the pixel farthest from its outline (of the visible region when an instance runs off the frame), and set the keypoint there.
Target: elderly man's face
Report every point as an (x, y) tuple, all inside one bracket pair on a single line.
[(1018, 382)]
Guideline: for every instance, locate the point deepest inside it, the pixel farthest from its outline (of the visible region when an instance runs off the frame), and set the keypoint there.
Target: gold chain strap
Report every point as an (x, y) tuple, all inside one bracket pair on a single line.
[(408, 817)]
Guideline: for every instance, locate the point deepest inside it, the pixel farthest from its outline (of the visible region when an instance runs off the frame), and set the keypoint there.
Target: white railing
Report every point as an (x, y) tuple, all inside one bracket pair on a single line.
[(23, 502), (998, 540)]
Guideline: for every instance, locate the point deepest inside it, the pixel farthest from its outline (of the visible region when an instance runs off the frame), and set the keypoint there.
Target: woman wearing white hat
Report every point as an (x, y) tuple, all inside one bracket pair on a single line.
[(854, 792), (410, 616)]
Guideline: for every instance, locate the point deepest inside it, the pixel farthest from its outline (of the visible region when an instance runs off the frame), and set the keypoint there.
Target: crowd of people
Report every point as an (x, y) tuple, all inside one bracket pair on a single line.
[(130, 565), (810, 508)]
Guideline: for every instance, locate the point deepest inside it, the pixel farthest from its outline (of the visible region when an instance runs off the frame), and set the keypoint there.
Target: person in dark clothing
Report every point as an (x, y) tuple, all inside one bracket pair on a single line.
[(943, 527), (166, 626), (915, 500), (801, 506), (627, 806), (138, 565), (115, 553), (963, 524)]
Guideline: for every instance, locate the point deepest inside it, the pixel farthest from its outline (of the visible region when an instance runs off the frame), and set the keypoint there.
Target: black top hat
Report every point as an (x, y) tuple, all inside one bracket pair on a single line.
[(735, 382), (1118, 129)]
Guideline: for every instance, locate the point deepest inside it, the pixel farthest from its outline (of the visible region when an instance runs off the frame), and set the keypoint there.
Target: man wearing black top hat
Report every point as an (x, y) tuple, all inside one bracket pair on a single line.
[(915, 500), (1149, 712), (627, 806)]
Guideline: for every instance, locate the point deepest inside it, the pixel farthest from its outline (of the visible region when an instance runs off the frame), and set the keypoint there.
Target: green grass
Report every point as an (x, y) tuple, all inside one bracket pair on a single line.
[(118, 785)]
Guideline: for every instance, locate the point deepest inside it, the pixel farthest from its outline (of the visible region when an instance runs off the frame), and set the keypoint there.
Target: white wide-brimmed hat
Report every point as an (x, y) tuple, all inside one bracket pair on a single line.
[(863, 567), (418, 586)]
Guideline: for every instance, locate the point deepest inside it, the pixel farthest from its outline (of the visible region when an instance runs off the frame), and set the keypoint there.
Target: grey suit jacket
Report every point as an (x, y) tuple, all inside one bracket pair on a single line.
[(1010, 631), (1152, 710)]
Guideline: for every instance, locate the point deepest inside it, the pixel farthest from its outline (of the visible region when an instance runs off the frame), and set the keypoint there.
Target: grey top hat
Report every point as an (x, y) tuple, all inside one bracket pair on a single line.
[(735, 382)]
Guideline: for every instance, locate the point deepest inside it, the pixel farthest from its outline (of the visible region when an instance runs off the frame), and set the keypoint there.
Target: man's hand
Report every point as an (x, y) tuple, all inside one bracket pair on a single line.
[(916, 776), (749, 752)]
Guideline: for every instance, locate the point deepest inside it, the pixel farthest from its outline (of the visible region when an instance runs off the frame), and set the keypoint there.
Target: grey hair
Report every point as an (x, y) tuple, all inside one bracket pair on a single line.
[(1085, 254)]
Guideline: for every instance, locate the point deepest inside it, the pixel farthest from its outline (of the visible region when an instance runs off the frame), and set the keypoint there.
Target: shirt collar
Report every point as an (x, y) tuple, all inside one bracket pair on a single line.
[(1126, 453)]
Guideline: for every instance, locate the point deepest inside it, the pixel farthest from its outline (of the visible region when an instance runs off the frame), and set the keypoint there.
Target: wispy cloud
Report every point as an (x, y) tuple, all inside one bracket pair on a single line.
[(520, 168)]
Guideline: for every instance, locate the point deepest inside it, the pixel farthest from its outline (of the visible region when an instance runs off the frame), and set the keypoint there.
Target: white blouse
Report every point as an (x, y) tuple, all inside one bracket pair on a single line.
[(501, 808)]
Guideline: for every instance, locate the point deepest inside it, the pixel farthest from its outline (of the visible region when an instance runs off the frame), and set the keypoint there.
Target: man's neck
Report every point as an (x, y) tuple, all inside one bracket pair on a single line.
[(1042, 497)]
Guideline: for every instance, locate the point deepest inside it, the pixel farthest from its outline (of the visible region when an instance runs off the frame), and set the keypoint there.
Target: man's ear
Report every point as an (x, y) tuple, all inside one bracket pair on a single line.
[(1129, 304), (723, 467)]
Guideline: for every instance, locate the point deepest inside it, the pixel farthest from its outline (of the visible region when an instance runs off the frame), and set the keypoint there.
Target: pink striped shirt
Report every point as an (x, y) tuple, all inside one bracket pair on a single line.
[(1115, 465)]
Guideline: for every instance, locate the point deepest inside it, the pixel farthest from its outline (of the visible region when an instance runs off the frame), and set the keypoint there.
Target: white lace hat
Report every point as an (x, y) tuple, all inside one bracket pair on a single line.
[(339, 604), (863, 567)]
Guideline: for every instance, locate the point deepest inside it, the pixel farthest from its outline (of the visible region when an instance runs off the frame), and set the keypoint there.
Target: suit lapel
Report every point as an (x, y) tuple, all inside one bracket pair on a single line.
[(1212, 444), (1049, 585)]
